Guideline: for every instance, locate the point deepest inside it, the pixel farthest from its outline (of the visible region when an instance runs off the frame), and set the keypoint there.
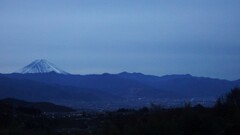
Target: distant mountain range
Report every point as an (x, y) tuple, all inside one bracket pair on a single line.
[(109, 90)]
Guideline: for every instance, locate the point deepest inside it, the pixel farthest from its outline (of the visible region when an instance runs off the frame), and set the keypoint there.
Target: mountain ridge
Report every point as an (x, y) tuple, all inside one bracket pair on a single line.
[(112, 90)]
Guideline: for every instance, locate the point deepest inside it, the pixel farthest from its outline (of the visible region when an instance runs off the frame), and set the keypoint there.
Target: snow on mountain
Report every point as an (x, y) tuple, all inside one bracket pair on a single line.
[(41, 66)]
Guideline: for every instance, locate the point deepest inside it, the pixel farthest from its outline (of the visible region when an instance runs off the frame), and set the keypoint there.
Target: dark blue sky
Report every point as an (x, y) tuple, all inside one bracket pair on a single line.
[(200, 37)]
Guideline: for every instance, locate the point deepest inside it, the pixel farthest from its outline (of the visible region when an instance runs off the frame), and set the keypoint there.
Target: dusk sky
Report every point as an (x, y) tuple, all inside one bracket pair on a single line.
[(199, 37)]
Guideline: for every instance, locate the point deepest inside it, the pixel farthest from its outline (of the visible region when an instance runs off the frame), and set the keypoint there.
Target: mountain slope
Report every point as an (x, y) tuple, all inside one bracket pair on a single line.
[(65, 95), (185, 86), (107, 83)]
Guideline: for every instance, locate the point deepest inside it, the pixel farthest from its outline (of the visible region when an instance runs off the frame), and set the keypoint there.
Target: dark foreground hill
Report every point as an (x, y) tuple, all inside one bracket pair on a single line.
[(42, 106), (221, 119)]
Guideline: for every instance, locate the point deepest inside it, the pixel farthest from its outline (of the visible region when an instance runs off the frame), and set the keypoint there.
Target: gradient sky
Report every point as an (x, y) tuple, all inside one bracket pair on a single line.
[(199, 37)]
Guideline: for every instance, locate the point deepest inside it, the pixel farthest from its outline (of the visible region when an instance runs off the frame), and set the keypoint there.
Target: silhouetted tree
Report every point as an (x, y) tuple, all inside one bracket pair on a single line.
[(233, 98), (230, 102)]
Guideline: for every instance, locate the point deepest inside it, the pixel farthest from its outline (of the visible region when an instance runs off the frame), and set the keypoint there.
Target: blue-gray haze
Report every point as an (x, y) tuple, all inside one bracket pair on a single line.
[(200, 37)]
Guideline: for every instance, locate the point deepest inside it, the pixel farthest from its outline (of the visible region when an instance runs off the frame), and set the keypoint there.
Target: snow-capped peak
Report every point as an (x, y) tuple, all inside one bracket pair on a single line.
[(41, 66)]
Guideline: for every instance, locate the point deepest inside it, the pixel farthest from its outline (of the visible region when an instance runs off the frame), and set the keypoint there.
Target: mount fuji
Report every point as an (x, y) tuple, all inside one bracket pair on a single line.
[(41, 66)]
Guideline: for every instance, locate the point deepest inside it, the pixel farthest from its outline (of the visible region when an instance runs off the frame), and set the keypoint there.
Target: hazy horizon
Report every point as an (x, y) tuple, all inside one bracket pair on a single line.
[(156, 37)]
